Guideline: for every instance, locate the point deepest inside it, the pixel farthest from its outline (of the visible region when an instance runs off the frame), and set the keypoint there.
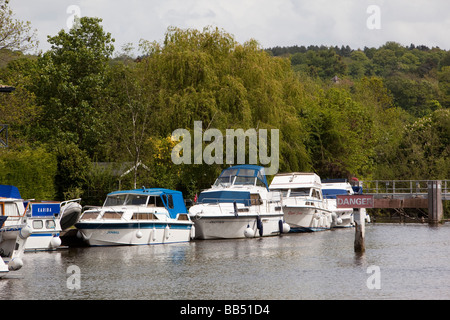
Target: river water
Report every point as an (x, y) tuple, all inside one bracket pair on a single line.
[(402, 261)]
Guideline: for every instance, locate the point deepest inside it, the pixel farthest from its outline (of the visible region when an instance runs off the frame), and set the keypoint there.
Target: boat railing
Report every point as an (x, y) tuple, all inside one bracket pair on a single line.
[(254, 203), (63, 203), (306, 200), (414, 187)]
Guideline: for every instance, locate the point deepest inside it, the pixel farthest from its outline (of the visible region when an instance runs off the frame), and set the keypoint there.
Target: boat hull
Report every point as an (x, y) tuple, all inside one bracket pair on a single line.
[(307, 218), (43, 241), (231, 227), (142, 233)]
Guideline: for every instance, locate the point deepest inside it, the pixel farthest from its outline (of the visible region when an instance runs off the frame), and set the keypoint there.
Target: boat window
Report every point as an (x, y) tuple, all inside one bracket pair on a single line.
[(316, 194), (50, 224), (112, 215), (224, 180), (115, 200), (90, 215), (11, 209), (155, 201), (229, 172), (246, 172), (143, 216), (38, 224), (255, 199), (1, 209), (136, 200), (283, 192), (226, 176), (245, 180), (183, 217), (259, 183), (299, 192), (170, 201)]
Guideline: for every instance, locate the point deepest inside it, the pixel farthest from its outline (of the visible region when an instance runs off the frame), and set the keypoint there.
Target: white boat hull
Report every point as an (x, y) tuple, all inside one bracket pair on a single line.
[(223, 227), (43, 241), (100, 234), (307, 218), (12, 241)]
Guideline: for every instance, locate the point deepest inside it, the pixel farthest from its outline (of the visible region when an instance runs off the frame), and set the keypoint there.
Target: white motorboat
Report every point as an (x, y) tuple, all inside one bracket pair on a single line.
[(43, 218), (12, 243), (304, 208), (238, 205), (342, 217), (137, 217)]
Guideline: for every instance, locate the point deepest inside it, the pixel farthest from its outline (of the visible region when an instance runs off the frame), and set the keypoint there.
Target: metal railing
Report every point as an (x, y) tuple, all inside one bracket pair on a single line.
[(413, 187)]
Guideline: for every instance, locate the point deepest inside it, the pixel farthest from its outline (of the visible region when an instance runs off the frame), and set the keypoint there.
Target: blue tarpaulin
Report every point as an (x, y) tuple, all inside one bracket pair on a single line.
[(9, 192), (331, 193)]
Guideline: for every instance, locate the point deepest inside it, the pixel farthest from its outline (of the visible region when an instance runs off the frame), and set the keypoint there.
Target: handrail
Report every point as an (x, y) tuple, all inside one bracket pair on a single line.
[(401, 186)]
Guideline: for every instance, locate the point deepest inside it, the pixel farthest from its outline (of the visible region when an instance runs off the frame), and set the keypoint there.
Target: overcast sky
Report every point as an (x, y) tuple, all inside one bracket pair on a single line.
[(356, 23)]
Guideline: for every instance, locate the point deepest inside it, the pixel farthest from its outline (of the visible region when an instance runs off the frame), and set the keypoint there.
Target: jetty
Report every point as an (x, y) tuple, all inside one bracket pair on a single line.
[(402, 194)]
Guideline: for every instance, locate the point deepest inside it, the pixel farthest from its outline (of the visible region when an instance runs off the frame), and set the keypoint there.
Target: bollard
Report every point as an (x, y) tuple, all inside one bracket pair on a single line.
[(359, 215), (435, 210)]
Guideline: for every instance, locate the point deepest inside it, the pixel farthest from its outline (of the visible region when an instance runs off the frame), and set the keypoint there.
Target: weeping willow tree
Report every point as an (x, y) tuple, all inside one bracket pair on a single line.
[(208, 76)]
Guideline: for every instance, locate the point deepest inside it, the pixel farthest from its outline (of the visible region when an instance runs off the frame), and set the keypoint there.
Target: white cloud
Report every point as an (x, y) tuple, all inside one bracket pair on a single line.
[(272, 23)]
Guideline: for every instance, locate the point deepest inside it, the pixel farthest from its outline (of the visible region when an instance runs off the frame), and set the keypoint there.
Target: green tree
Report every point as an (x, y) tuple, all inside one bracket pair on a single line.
[(207, 76), (31, 170), (18, 108), (70, 84), (73, 167)]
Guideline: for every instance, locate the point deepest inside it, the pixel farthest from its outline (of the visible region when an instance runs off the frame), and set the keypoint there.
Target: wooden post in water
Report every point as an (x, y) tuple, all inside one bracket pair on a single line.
[(359, 216), (435, 211)]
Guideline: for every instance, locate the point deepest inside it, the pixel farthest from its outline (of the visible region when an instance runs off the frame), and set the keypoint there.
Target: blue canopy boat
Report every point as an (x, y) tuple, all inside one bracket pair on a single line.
[(136, 217)]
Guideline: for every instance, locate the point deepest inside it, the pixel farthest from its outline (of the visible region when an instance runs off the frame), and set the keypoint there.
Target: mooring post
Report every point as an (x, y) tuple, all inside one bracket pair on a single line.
[(359, 215), (435, 211)]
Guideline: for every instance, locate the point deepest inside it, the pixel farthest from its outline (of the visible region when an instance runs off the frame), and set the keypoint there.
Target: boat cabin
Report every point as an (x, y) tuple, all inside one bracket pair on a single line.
[(152, 199), (297, 184), (242, 175)]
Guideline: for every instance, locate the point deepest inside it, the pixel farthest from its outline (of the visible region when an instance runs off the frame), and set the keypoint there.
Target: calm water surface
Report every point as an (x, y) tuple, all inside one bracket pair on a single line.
[(414, 262)]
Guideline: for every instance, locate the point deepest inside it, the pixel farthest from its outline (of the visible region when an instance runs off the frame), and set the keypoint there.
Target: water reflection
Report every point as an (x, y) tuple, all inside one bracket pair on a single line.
[(413, 262)]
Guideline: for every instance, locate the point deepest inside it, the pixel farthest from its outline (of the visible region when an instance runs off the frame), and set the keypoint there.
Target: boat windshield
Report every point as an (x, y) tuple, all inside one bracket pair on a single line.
[(299, 192), (240, 176), (283, 192), (125, 199), (226, 177)]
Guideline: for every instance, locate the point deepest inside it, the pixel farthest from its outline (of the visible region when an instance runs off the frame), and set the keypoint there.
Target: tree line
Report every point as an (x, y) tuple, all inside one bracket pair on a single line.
[(83, 113)]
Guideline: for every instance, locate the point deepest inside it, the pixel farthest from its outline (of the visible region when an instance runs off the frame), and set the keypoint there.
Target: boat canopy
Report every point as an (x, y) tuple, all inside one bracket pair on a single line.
[(332, 193), (245, 174), (172, 200), (225, 196), (357, 189), (9, 192), (2, 220)]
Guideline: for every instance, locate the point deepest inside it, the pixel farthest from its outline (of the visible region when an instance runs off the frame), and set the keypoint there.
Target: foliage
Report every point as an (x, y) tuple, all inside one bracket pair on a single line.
[(14, 33), (371, 113), (73, 166), (30, 170), (69, 83)]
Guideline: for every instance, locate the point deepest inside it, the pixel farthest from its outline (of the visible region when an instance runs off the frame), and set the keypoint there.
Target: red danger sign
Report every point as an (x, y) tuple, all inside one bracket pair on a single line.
[(354, 201)]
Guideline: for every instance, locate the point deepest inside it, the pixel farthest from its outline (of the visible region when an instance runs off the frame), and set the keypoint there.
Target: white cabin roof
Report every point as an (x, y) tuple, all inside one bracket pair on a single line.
[(295, 180)]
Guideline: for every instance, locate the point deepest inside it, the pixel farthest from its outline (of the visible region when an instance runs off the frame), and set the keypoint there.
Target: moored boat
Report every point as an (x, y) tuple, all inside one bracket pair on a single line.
[(342, 217), (12, 243), (239, 204), (42, 218), (137, 217), (304, 208)]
